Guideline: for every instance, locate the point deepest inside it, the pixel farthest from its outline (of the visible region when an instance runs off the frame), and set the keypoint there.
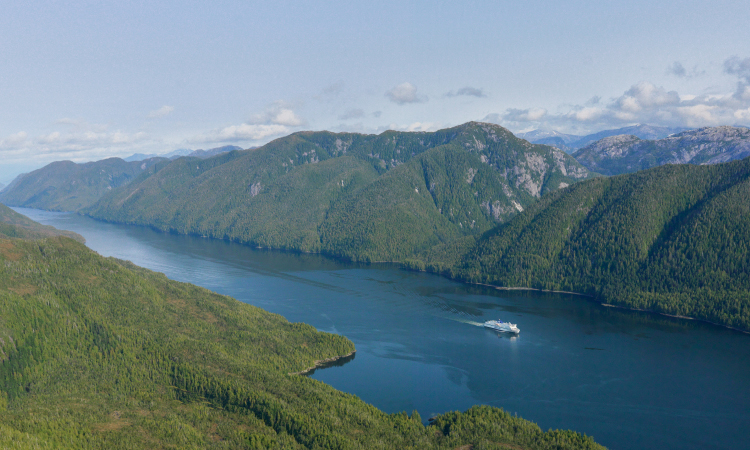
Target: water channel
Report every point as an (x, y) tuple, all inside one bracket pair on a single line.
[(632, 380)]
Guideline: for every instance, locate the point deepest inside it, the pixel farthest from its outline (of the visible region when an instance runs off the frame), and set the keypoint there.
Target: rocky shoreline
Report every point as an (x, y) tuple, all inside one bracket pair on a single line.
[(323, 363)]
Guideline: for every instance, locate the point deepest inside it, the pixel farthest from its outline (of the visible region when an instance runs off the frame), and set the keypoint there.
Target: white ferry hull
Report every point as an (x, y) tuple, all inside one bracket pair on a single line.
[(503, 327)]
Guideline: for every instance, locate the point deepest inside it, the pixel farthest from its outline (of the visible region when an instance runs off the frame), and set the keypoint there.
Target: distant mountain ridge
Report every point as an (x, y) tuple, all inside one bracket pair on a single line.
[(67, 186), (571, 142), (641, 131), (381, 197), (202, 154), (550, 137), (626, 153)]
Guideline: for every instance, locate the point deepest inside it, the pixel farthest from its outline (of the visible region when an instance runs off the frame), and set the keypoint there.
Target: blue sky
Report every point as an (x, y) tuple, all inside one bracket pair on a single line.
[(91, 79)]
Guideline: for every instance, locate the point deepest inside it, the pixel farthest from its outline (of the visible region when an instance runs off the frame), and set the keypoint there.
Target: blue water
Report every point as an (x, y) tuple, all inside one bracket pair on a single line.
[(632, 380)]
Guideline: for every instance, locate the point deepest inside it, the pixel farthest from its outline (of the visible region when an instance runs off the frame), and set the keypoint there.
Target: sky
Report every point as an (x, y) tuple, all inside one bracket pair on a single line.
[(87, 80)]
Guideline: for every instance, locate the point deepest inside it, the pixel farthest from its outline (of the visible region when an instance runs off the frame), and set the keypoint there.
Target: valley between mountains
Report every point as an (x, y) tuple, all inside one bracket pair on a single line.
[(476, 203), (98, 353), (180, 365)]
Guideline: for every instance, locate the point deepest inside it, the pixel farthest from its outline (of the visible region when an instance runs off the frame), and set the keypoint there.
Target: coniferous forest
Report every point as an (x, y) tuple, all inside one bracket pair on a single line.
[(472, 202), (672, 239), (97, 353)]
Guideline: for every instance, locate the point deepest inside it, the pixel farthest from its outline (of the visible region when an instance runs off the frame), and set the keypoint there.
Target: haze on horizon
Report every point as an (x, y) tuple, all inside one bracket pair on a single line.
[(94, 79)]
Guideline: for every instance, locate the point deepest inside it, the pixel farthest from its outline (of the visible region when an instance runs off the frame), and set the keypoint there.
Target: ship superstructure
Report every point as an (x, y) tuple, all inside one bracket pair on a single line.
[(505, 327)]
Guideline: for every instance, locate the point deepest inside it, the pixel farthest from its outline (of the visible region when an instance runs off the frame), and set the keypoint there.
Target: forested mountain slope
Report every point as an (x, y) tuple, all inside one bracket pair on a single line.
[(16, 225), (366, 197), (67, 186), (625, 153), (96, 353), (674, 239)]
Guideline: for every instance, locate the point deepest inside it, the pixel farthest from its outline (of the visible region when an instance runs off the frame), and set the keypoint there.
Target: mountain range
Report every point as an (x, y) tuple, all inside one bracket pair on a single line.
[(364, 197), (67, 186), (477, 203), (202, 154), (627, 153), (571, 142)]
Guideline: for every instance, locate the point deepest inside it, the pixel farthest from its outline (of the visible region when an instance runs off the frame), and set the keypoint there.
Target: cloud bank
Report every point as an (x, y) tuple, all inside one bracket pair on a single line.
[(84, 143), (276, 120), (645, 102)]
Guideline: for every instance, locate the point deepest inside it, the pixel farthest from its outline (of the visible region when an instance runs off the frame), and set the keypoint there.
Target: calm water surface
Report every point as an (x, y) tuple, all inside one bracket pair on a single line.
[(632, 380)]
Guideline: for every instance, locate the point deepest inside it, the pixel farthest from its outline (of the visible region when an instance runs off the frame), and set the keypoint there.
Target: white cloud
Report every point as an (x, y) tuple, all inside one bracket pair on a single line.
[(240, 133), (422, 126), (278, 113), (742, 114), (287, 117), (276, 119), (467, 91), (249, 132), (405, 93), (587, 114), (51, 138), (161, 112), (83, 143), (86, 140), (646, 95), (14, 141), (524, 115), (647, 103), (699, 115)]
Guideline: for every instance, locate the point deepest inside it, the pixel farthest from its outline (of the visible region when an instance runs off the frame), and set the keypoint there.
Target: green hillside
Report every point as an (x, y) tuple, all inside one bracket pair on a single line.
[(391, 196), (14, 225), (67, 186), (674, 239), (96, 353)]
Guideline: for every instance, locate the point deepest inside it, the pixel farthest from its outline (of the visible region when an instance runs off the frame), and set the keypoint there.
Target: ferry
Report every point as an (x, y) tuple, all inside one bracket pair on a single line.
[(505, 327)]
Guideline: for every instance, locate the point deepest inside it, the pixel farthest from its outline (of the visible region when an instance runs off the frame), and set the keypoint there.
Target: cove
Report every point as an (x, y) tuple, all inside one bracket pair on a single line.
[(633, 380)]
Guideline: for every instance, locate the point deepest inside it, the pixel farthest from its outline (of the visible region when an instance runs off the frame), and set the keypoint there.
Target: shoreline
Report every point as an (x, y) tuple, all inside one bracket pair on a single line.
[(504, 288), (403, 266), (608, 305), (322, 363)]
